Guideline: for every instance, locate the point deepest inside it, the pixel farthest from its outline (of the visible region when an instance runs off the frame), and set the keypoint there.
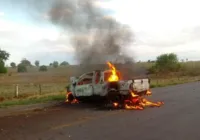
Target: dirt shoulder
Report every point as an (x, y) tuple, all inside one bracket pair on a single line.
[(22, 109)]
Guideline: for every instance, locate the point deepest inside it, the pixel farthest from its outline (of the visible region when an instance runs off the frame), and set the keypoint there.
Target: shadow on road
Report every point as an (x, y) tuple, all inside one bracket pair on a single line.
[(82, 106)]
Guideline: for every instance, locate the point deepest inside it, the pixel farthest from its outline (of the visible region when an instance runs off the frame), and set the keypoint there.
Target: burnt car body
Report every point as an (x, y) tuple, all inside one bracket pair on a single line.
[(95, 86)]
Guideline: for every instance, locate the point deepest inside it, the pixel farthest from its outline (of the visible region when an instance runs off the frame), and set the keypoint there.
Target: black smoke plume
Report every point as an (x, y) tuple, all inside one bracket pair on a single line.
[(96, 38)]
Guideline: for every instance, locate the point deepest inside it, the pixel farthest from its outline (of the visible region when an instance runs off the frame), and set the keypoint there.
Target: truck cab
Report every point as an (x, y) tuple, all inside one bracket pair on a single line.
[(94, 77), (96, 84)]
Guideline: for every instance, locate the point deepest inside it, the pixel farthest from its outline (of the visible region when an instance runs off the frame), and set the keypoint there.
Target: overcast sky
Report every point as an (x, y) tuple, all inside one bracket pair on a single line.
[(160, 26)]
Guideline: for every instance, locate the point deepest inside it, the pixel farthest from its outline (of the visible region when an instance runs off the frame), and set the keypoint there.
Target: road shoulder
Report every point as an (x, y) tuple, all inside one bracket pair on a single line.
[(22, 109)]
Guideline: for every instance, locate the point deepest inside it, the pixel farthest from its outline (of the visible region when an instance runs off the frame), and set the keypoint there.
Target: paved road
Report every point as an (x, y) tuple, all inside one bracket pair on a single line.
[(178, 119)]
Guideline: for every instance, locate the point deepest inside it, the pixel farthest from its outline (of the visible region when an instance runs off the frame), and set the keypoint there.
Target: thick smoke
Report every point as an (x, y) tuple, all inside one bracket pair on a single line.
[(96, 38)]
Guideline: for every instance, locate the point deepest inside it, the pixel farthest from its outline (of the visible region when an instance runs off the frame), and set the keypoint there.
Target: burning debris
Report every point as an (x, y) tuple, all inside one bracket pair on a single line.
[(139, 103), (70, 98), (131, 101)]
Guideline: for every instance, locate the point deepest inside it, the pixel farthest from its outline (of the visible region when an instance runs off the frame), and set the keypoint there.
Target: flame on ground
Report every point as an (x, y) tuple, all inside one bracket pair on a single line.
[(139, 103), (115, 104), (68, 101), (114, 76), (134, 103)]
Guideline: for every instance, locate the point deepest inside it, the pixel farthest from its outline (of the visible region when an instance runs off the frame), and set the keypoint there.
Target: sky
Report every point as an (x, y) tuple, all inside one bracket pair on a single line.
[(159, 26)]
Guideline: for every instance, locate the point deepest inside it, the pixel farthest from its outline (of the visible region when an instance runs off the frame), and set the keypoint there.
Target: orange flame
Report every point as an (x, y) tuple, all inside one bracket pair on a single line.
[(115, 104), (138, 103), (133, 94), (114, 76), (145, 102), (132, 104), (148, 93), (68, 101), (135, 107)]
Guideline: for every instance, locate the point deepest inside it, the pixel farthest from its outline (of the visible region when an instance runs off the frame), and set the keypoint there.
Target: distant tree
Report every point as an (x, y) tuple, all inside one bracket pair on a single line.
[(64, 63), (55, 64), (13, 65), (37, 63), (166, 63), (128, 62), (21, 68), (25, 62), (3, 69), (51, 64), (3, 57), (43, 68)]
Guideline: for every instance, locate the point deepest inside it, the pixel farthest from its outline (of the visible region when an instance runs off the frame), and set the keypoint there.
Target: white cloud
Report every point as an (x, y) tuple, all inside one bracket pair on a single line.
[(23, 40), (27, 32), (161, 26), (189, 50), (1, 14), (155, 14)]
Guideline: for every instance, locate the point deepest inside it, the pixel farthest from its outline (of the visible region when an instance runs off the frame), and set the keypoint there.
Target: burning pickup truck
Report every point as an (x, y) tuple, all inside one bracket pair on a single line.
[(109, 87)]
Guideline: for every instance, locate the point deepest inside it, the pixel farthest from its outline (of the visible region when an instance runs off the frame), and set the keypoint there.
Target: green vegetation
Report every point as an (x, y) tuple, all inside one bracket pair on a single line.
[(166, 63), (13, 65), (26, 62), (8, 91), (21, 68), (37, 63), (55, 64), (43, 68), (33, 100), (64, 63), (3, 57), (3, 69), (173, 81)]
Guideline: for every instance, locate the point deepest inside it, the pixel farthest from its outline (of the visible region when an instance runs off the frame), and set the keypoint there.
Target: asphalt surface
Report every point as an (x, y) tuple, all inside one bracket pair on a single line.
[(177, 119)]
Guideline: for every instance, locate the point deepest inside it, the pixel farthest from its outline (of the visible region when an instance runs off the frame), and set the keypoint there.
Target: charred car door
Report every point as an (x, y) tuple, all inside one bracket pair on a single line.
[(84, 85)]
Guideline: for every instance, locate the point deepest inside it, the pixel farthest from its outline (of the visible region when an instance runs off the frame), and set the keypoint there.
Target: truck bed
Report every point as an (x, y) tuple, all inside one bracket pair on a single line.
[(140, 85)]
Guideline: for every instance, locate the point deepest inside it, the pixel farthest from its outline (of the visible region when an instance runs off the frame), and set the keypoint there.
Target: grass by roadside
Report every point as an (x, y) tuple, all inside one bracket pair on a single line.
[(33, 100), (61, 96), (173, 81)]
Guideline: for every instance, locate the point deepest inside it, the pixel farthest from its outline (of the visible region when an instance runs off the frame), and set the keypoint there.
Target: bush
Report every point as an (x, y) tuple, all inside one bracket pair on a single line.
[(152, 70), (55, 64), (37, 63), (3, 69), (21, 68), (64, 63), (25, 62), (13, 65), (43, 68), (166, 63)]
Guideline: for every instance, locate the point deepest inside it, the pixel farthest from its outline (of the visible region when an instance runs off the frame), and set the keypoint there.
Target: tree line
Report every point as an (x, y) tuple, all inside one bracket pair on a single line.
[(22, 66), (164, 63)]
